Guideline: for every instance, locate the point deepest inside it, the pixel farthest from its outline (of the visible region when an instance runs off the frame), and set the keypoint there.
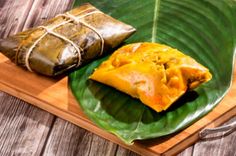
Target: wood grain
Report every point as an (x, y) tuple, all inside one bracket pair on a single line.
[(217, 144), (187, 152), (19, 122), (123, 152), (18, 126), (13, 20), (68, 139), (44, 88), (42, 10)]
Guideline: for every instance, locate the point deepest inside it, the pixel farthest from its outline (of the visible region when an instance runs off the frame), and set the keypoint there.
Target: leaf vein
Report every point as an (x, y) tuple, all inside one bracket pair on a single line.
[(155, 18)]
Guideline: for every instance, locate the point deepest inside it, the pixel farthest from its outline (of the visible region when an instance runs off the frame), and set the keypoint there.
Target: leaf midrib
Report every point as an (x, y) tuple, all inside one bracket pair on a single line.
[(155, 18)]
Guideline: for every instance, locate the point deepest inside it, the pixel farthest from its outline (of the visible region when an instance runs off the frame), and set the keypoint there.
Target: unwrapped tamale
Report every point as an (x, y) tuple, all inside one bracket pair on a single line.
[(66, 41), (154, 73)]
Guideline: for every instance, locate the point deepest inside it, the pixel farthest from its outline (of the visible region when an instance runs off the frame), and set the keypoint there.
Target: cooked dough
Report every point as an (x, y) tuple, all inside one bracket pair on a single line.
[(154, 73)]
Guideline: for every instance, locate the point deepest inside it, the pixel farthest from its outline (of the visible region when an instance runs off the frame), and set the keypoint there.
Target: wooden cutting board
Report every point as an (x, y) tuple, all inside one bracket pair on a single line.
[(54, 96)]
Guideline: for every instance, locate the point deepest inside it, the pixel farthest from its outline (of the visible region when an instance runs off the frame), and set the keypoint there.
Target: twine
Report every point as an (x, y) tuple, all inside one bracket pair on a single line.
[(74, 18), (50, 31)]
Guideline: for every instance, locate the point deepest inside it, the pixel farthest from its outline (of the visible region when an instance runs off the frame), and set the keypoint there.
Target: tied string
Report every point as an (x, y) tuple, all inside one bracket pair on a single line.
[(74, 18), (50, 31)]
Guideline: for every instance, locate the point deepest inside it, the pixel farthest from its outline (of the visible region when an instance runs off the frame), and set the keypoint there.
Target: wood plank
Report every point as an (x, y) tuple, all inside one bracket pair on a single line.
[(23, 131), (68, 139), (218, 144), (124, 152), (15, 22), (187, 152), (42, 10), (19, 122)]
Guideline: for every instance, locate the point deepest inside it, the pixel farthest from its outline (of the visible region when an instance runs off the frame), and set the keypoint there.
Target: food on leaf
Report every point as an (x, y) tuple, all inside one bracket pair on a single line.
[(66, 41), (154, 73)]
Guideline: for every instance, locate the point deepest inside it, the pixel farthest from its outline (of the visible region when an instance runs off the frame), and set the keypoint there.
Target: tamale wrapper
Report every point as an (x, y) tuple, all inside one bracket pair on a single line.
[(52, 48)]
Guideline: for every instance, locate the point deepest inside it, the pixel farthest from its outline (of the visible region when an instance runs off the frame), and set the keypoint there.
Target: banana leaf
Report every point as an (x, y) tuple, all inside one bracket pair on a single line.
[(203, 29)]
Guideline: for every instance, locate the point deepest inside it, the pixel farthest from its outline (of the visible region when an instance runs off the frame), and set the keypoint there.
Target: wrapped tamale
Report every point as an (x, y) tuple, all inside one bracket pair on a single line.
[(66, 41), (154, 73)]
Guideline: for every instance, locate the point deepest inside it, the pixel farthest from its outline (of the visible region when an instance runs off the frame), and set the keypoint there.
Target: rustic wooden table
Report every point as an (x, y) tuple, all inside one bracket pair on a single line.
[(27, 130)]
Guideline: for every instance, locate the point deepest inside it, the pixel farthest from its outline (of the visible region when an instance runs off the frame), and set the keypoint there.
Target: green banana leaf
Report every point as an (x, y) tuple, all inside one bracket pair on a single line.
[(203, 29)]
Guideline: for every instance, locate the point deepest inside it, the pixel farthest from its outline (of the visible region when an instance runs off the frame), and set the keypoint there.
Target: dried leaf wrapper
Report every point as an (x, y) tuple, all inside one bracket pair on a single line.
[(66, 41)]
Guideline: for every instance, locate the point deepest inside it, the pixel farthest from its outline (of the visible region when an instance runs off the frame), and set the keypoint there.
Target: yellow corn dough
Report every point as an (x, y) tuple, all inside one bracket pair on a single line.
[(154, 73)]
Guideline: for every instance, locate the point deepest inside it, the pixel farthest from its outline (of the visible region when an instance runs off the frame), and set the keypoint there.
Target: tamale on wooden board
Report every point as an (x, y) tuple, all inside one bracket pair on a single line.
[(54, 96)]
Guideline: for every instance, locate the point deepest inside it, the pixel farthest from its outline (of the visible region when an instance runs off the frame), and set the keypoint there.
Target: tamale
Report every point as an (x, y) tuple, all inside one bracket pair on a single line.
[(66, 41), (154, 73)]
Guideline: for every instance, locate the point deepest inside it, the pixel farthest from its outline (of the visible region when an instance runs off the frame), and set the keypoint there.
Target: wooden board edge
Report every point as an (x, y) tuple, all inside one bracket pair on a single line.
[(98, 131), (195, 137), (74, 119)]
